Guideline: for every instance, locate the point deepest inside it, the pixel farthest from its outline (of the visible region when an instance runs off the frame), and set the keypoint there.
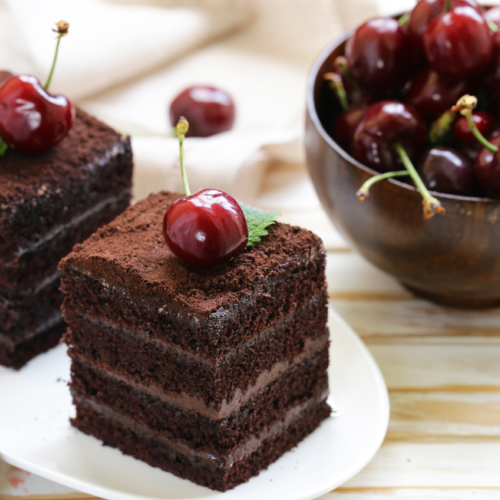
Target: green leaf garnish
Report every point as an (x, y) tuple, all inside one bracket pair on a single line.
[(3, 147), (258, 221)]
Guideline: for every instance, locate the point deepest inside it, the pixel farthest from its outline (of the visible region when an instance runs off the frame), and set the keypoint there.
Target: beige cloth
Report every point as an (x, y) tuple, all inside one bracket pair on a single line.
[(125, 60)]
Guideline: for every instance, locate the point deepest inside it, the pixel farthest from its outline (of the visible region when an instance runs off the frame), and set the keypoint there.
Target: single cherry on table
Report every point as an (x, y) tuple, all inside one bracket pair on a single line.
[(205, 229), (208, 110)]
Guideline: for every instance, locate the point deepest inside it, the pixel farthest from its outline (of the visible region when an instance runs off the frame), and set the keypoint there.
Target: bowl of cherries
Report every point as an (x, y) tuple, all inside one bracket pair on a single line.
[(403, 113)]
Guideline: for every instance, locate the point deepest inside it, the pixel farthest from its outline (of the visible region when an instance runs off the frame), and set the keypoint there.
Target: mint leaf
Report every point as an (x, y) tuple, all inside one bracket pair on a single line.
[(3, 147), (257, 222)]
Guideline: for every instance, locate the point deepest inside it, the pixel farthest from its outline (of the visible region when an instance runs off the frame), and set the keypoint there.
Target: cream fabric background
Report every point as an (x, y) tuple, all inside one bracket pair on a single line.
[(125, 60)]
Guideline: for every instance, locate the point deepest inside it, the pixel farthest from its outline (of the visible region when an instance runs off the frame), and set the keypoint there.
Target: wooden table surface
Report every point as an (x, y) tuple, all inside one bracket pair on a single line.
[(442, 368)]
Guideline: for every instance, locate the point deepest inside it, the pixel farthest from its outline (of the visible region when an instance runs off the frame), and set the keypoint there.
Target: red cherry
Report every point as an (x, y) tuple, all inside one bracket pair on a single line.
[(378, 55), (205, 229), (383, 125), (487, 168), (208, 110), (459, 43), (426, 10), (347, 123), (355, 93), (491, 77), (431, 95), (31, 119), (4, 75), (482, 119), (447, 171)]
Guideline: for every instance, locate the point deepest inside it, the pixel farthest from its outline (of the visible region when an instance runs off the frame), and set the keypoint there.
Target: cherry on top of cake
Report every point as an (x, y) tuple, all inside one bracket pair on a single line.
[(31, 119), (130, 252)]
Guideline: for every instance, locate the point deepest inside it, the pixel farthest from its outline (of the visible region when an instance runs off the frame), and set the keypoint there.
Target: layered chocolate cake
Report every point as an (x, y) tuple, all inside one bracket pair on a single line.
[(210, 375), (48, 202)]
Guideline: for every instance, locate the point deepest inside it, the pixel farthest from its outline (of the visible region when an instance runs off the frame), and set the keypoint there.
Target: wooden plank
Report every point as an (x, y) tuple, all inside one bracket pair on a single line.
[(351, 277), (416, 493), (316, 221), (437, 414), (432, 464), (56, 496), (414, 320), (458, 368)]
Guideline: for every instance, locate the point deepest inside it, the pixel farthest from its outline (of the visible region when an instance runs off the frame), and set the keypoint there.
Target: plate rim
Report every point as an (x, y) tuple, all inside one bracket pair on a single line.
[(105, 492)]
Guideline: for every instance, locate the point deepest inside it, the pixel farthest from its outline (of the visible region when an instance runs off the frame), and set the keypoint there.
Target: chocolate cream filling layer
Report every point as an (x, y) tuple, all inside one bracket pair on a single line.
[(215, 334), (169, 348), (22, 336), (240, 398), (240, 453), (59, 229)]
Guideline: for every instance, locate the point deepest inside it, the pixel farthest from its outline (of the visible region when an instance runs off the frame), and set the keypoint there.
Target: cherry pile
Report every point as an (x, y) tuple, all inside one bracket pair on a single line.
[(398, 86)]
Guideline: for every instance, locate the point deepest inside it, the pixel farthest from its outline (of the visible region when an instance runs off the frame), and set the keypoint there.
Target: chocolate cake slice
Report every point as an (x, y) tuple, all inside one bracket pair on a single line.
[(210, 375), (48, 203)]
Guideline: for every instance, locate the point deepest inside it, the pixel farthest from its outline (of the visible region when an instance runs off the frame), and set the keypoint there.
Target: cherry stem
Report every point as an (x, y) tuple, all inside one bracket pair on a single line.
[(341, 63), (493, 27), (364, 191), (477, 134), (182, 128), (3, 147), (447, 6), (337, 85), (442, 127), (431, 204), (404, 19), (62, 30)]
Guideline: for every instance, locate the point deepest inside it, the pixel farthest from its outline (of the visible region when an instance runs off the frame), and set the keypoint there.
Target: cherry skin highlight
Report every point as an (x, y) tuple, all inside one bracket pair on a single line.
[(483, 120), (431, 95), (208, 110), (378, 55), (205, 229), (427, 10), (31, 119), (447, 171), (487, 168), (458, 44), (384, 125)]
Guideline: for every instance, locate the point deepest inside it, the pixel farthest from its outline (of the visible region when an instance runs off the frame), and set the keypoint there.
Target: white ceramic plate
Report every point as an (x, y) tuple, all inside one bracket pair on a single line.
[(35, 435)]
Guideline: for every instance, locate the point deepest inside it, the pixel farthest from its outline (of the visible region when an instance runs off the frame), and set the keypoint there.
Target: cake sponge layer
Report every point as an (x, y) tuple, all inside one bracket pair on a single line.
[(18, 355), (218, 436), (134, 440), (144, 286), (215, 384)]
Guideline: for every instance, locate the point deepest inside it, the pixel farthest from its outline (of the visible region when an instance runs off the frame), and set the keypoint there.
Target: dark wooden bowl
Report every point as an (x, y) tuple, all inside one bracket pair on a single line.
[(452, 259)]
